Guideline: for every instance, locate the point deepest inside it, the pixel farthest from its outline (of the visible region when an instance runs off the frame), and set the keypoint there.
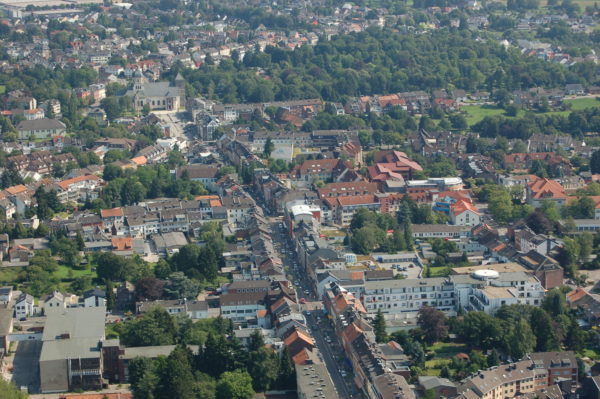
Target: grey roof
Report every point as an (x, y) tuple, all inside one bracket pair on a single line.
[(77, 322), (70, 348), (41, 124), (432, 382), (157, 89), (5, 321)]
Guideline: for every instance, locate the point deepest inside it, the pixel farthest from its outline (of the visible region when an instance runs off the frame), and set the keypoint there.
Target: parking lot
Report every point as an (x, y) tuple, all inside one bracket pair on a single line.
[(25, 362), (406, 269)]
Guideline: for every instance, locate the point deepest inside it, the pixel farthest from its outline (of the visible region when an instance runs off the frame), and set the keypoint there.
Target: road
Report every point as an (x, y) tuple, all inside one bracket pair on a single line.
[(320, 327)]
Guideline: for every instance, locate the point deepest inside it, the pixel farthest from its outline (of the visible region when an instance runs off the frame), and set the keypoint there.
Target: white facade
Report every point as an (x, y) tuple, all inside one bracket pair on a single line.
[(24, 306), (448, 294), (465, 218)]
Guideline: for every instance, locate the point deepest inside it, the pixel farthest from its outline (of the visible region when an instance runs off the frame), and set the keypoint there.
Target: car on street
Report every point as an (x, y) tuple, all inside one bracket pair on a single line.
[(302, 300)]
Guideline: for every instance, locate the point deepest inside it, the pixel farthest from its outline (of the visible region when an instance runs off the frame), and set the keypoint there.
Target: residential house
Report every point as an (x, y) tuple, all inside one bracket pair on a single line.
[(464, 213), (541, 190), (94, 298), (205, 174), (23, 306)]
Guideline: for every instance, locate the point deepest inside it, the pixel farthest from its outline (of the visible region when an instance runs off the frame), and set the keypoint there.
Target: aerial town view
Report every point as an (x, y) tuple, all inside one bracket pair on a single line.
[(300, 199)]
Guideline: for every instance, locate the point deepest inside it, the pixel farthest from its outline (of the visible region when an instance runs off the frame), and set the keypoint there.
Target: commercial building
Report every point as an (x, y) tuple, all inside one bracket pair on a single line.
[(71, 350)]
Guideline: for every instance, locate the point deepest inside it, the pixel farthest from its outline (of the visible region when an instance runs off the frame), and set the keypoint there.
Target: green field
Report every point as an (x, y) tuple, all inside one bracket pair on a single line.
[(475, 113), (63, 273)]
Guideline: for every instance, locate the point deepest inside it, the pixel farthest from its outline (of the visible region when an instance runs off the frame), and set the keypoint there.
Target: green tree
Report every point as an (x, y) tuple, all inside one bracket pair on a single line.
[(379, 327), (235, 385), (269, 147), (156, 327), (263, 366), (287, 371), (500, 204), (178, 380), (520, 340), (543, 329), (554, 302)]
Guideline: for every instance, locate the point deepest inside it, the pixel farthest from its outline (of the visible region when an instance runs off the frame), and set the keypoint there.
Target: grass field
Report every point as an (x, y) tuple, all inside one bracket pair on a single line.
[(441, 271), (475, 113)]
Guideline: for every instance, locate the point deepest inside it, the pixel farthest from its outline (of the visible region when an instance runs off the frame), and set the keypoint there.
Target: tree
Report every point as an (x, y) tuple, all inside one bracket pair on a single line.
[(520, 340), (380, 327), (287, 372), (110, 296), (179, 379), (482, 330), (433, 322), (366, 239), (111, 267), (554, 302), (262, 367), (156, 327), (269, 147), (500, 204), (178, 286), (235, 385), (543, 329), (149, 288)]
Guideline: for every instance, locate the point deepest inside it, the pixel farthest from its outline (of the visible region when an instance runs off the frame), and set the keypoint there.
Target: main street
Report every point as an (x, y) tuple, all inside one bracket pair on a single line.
[(319, 325)]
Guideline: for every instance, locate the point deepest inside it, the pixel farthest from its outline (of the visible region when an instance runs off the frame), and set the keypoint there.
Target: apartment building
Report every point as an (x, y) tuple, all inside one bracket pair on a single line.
[(483, 290)]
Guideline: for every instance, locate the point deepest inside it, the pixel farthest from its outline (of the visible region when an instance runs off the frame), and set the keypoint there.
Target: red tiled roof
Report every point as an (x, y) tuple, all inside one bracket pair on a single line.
[(108, 213), (122, 243), (66, 183), (356, 200), (461, 206), (545, 188)]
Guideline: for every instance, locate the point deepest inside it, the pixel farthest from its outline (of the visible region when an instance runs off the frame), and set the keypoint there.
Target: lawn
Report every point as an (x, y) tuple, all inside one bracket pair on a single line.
[(441, 271), (475, 113), (63, 273), (2, 89), (583, 103)]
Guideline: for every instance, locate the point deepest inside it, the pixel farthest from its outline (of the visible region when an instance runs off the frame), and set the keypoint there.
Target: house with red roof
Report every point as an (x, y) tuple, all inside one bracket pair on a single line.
[(464, 213), (544, 189)]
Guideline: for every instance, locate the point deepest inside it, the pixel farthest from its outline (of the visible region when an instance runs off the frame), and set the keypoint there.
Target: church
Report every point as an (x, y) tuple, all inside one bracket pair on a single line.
[(157, 95)]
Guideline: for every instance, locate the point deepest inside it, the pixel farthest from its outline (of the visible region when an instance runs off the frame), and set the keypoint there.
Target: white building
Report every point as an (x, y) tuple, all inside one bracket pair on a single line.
[(23, 306), (464, 213), (242, 307), (484, 290)]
